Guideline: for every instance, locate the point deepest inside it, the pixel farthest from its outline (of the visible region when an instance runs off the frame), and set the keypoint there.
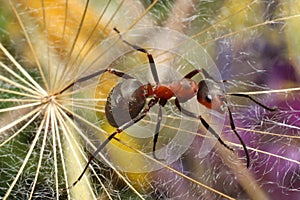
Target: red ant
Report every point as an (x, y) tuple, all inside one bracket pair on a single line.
[(130, 97)]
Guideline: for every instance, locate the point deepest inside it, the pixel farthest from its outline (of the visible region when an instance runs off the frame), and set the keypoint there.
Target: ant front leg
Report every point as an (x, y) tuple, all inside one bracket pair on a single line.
[(204, 123), (254, 100), (238, 136), (162, 102), (212, 131), (155, 138)]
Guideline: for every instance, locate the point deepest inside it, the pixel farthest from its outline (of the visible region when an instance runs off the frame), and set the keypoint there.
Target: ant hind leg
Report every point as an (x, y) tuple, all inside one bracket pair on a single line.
[(149, 55)]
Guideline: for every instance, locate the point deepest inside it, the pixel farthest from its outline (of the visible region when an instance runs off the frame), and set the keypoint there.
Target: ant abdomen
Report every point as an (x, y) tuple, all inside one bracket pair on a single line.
[(125, 102)]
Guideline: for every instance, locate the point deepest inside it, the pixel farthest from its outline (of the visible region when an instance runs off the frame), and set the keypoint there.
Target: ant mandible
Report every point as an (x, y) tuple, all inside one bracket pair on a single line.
[(130, 97)]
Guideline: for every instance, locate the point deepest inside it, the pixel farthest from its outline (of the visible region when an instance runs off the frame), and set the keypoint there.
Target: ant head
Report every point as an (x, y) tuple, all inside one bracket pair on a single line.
[(211, 96)]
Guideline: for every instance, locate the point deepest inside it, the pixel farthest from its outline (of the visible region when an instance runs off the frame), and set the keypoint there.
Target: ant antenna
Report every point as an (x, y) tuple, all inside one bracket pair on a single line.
[(254, 100)]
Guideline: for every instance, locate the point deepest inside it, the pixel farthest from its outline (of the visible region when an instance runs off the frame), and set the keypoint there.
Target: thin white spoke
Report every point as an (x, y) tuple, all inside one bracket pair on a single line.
[(82, 99), (17, 76), (82, 71), (113, 15), (59, 142), (89, 37), (65, 21), (20, 119), (141, 16), (29, 153), (224, 19), (72, 144), (48, 67), (84, 106), (33, 53), (19, 107), (46, 126), (19, 93), (269, 22), (20, 100), (56, 76), (3, 78), (270, 154), (270, 133), (285, 125), (54, 131), (23, 127), (286, 90), (71, 122), (68, 66), (83, 119), (77, 35)]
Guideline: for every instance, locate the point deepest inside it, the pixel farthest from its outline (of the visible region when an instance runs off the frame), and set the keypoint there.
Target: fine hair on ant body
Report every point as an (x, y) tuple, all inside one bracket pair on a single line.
[(132, 97)]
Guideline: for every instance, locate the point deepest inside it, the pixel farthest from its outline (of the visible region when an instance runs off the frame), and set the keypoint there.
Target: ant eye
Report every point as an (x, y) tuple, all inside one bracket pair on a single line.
[(208, 98)]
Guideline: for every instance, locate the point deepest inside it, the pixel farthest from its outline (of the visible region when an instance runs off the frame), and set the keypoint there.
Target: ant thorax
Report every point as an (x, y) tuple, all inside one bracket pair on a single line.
[(183, 90)]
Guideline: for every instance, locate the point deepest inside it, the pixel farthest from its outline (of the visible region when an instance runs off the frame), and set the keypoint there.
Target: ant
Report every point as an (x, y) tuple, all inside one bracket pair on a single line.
[(130, 97)]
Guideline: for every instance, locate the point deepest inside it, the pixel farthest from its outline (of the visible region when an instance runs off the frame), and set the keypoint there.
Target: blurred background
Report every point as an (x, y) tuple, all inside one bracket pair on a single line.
[(47, 136)]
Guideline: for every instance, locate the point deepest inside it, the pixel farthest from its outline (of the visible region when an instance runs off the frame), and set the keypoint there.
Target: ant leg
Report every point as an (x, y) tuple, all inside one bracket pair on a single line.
[(93, 156), (204, 123), (254, 100), (81, 80), (193, 73), (113, 71), (155, 138), (238, 136), (151, 103), (149, 55)]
